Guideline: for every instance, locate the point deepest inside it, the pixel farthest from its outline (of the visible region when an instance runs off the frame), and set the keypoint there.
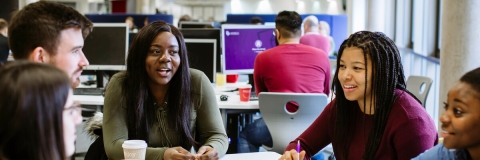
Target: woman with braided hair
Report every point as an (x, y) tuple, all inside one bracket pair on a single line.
[(373, 116)]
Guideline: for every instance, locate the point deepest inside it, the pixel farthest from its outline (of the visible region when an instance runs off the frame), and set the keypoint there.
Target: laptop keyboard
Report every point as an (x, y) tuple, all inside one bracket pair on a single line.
[(253, 97), (88, 91)]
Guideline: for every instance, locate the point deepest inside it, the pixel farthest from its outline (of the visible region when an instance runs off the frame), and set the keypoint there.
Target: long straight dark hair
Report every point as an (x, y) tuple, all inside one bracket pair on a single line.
[(138, 98), (387, 75), (32, 100)]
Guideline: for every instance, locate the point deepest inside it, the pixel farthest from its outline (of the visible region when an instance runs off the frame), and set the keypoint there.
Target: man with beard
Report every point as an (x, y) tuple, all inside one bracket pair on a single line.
[(49, 32), (288, 67)]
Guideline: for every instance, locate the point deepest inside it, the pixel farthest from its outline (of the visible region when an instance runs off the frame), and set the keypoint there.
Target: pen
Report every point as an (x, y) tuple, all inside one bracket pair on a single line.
[(298, 150)]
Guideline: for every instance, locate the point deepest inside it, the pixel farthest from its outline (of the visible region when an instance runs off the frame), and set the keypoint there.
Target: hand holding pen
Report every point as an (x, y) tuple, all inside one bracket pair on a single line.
[(298, 149), (293, 154)]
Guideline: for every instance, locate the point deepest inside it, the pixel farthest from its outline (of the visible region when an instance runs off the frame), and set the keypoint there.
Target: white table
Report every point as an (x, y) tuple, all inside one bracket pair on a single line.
[(252, 156), (233, 103), (89, 99)]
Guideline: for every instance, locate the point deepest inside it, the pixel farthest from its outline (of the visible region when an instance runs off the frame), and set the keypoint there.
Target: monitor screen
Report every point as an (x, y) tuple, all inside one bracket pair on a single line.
[(206, 33), (202, 55), (106, 46), (131, 36), (187, 24), (242, 43)]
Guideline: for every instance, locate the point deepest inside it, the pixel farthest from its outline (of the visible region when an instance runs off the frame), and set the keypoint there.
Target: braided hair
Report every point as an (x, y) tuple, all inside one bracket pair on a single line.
[(387, 76)]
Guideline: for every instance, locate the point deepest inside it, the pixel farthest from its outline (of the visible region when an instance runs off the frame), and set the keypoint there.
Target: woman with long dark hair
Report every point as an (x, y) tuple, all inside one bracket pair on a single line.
[(373, 116), (37, 112), (161, 100), (460, 122)]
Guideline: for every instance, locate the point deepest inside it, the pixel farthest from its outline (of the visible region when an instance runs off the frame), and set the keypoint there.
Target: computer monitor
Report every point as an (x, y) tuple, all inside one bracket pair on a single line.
[(206, 33), (106, 46), (269, 24), (131, 36), (202, 54), (242, 43), (189, 24)]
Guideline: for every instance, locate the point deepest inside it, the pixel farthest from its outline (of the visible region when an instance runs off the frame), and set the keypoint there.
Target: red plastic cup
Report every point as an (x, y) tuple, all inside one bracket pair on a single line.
[(244, 93)]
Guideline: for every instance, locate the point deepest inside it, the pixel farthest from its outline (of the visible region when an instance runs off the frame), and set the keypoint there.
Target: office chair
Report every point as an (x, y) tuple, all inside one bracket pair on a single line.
[(415, 85), (284, 127), (333, 68)]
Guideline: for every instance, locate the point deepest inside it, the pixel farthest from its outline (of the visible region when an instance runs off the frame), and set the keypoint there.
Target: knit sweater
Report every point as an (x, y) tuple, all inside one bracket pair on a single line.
[(408, 132), (205, 119)]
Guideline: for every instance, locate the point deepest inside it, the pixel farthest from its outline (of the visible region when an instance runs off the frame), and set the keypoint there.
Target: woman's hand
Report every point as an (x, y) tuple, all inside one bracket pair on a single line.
[(178, 153), (292, 155), (207, 153)]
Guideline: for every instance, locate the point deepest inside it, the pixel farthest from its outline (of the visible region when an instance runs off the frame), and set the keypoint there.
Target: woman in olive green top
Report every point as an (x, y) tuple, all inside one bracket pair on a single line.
[(160, 100)]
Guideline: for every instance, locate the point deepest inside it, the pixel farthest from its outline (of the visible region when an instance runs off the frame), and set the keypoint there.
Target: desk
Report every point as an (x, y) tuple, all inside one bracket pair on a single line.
[(232, 106), (252, 156), (89, 99), (232, 103)]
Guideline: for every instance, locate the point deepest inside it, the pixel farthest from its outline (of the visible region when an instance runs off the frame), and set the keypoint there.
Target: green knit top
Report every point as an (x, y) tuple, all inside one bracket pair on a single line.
[(205, 119)]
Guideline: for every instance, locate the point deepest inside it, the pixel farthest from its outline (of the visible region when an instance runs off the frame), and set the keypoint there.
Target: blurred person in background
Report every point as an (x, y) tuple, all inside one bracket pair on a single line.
[(312, 36), (4, 49), (324, 30), (131, 26)]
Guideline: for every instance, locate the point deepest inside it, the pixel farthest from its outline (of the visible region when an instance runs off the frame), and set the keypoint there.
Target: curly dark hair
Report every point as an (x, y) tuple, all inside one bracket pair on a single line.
[(473, 79)]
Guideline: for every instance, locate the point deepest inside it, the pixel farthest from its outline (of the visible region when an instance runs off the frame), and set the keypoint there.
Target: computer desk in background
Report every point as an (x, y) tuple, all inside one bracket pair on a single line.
[(233, 105)]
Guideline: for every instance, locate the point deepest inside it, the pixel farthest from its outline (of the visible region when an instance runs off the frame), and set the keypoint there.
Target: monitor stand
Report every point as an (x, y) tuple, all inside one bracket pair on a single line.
[(251, 82), (99, 79), (101, 75)]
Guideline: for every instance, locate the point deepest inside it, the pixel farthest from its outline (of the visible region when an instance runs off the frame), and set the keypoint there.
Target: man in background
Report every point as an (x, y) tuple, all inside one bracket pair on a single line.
[(49, 32), (256, 20), (312, 36), (324, 29), (184, 18), (289, 67), (131, 26), (4, 50)]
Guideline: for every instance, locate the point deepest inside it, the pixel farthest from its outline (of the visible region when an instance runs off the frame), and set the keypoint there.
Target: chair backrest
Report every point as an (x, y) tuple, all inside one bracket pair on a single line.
[(415, 84), (333, 68), (284, 127)]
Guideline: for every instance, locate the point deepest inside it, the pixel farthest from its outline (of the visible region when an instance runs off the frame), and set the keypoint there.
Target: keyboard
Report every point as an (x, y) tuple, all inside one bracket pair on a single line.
[(88, 91), (253, 96)]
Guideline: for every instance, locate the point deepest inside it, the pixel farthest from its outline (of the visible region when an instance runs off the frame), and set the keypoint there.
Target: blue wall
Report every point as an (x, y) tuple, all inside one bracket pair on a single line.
[(138, 19)]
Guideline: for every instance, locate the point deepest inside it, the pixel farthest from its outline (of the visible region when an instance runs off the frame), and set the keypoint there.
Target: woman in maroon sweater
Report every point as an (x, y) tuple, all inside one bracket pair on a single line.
[(373, 115)]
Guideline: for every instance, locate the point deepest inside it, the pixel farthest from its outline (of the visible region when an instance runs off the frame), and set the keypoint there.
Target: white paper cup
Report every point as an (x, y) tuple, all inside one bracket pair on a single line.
[(134, 149)]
